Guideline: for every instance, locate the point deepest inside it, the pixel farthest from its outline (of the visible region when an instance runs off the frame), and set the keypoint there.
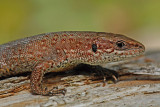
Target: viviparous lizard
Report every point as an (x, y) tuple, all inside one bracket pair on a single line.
[(60, 51)]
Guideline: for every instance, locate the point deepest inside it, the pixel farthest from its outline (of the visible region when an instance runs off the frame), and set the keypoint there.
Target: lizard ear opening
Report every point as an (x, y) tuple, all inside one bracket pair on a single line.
[(94, 47)]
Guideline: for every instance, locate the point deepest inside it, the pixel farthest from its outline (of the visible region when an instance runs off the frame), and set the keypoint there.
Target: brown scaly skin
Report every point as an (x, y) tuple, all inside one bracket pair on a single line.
[(59, 51)]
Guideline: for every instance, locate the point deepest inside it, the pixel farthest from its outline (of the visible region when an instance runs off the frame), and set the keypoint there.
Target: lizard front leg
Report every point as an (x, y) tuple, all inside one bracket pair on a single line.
[(100, 71), (37, 78)]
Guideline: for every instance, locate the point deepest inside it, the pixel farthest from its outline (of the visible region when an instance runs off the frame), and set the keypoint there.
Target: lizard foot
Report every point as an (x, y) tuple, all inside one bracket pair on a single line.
[(46, 92), (99, 71), (103, 72), (54, 91)]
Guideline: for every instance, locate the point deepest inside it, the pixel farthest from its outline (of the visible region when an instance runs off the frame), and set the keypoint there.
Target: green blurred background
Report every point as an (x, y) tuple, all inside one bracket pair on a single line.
[(139, 19)]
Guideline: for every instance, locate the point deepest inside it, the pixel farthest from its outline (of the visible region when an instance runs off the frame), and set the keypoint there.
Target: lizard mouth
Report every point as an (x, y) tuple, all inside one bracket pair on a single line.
[(127, 54), (117, 55), (132, 53), (137, 50)]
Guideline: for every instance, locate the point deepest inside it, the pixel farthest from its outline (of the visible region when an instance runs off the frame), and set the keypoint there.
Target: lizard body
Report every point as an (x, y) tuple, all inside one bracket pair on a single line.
[(59, 51)]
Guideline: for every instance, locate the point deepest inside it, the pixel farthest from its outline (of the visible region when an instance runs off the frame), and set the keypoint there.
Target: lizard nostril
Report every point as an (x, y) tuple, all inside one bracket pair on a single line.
[(140, 47)]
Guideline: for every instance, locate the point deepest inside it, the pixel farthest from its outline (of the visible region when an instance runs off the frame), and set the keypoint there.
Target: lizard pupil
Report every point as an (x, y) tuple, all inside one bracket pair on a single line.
[(120, 44), (94, 47)]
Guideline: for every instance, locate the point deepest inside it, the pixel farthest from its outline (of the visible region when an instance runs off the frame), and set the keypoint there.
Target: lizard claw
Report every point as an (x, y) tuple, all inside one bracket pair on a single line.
[(115, 79), (45, 88)]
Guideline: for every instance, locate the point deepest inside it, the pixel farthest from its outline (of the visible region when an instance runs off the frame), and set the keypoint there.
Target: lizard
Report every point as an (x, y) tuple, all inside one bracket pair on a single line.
[(60, 51)]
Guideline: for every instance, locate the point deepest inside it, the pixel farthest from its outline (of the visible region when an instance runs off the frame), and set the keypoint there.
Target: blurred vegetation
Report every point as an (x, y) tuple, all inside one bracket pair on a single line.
[(139, 19)]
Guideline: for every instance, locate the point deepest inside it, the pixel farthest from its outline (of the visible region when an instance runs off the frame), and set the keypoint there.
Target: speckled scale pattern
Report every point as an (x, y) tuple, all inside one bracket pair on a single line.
[(59, 51)]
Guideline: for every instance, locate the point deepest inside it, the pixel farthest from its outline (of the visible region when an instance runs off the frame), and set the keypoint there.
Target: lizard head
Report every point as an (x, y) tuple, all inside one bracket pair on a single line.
[(116, 47), (109, 47), (99, 47)]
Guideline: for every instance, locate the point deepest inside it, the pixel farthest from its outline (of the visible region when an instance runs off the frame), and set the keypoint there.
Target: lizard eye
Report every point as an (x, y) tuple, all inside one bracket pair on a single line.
[(120, 44), (94, 47)]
